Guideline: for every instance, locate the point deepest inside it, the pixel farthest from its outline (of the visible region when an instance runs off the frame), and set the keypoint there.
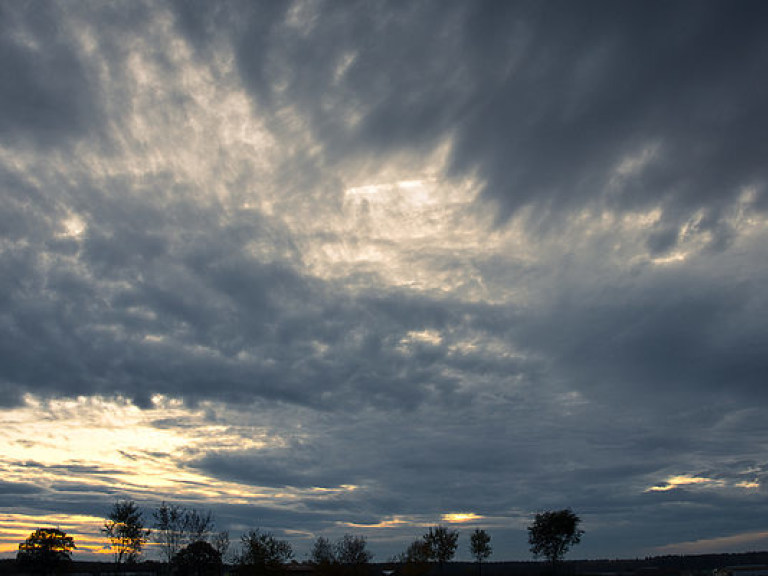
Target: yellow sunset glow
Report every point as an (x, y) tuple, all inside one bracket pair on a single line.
[(397, 521), (134, 454), (84, 529), (676, 481), (460, 518)]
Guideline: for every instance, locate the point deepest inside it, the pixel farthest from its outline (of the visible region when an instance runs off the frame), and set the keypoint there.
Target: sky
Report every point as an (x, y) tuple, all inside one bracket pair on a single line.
[(328, 267)]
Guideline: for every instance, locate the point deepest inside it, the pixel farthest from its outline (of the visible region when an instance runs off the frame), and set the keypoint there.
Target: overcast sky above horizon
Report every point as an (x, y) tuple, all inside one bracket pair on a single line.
[(328, 267)]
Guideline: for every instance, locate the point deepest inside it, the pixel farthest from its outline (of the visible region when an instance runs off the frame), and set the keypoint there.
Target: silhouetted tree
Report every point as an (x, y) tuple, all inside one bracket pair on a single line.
[(353, 554), (441, 543), (197, 559), (198, 525), (169, 521), (45, 551), (262, 553), (176, 527), (480, 547), (553, 533), (322, 551), (323, 557), (220, 541), (349, 555), (126, 532), (415, 560)]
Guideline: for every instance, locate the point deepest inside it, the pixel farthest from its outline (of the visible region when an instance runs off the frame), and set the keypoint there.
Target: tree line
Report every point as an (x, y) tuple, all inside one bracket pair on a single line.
[(190, 546)]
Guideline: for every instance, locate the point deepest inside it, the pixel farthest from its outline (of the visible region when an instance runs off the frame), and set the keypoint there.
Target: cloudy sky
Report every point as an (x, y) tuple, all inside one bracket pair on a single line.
[(367, 267)]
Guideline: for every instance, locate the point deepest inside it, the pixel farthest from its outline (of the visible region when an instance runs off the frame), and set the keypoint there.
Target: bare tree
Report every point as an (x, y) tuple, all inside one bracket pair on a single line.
[(351, 549), (262, 553), (353, 554), (169, 522), (176, 527), (220, 542), (323, 555), (197, 525), (126, 532), (349, 555)]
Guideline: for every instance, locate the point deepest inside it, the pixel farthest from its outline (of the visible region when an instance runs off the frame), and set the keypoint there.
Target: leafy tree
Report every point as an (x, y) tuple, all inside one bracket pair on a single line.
[(176, 527), (480, 547), (441, 543), (262, 553), (198, 559), (126, 532), (553, 533), (45, 551)]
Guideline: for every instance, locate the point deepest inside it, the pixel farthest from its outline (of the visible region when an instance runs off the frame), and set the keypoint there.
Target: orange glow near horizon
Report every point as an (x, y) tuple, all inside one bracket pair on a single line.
[(85, 530)]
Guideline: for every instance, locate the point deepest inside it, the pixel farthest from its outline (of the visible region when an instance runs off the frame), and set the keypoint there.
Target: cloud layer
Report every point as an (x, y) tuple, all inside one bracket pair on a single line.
[(331, 268)]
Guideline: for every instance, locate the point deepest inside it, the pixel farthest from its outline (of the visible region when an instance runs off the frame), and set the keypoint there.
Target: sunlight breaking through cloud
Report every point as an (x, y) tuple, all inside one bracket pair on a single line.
[(677, 481), (91, 444), (461, 517)]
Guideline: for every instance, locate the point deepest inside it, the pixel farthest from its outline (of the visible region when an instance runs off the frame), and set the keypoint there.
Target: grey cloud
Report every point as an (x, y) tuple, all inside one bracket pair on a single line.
[(64, 488), (667, 337), (544, 101), (273, 471), (72, 469), (46, 95), (611, 377), (137, 274), (17, 488)]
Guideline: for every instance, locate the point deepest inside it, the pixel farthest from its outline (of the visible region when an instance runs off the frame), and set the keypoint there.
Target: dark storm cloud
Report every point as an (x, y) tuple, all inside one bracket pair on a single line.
[(271, 471), (46, 96), (593, 82), (544, 100), (206, 300), (665, 334)]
